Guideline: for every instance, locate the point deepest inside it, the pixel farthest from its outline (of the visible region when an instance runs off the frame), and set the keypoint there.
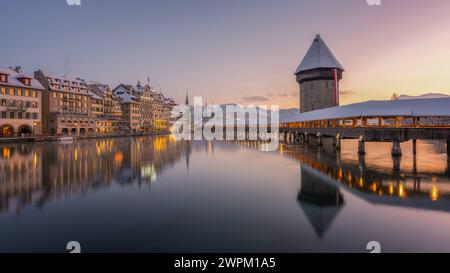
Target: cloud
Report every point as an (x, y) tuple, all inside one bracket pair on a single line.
[(255, 99), (282, 95), (345, 93)]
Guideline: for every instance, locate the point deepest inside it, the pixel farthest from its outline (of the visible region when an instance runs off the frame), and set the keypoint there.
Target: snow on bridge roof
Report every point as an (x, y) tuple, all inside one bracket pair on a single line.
[(439, 107)]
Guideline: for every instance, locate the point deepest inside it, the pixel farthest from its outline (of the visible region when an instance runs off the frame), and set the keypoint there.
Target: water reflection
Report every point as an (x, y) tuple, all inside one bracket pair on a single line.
[(319, 199), (155, 194), (370, 179), (39, 173)]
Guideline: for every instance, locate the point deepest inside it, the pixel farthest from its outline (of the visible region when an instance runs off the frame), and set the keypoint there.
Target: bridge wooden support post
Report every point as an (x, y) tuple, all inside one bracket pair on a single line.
[(301, 138), (414, 146), (306, 140), (337, 142), (396, 149), (319, 140), (448, 148), (361, 145)]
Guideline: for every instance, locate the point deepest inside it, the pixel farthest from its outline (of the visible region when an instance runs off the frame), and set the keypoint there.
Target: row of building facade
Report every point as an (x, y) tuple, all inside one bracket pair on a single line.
[(47, 105)]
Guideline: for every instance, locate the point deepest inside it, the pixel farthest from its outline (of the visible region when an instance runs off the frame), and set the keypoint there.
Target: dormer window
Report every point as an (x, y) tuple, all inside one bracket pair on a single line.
[(3, 77), (25, 80)]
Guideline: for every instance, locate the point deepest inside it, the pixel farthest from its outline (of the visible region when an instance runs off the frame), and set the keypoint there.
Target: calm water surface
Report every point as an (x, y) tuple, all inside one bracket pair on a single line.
[(154, 194)]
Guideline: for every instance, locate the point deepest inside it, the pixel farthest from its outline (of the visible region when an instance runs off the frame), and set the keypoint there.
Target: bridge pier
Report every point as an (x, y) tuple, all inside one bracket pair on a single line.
[(306, 140), (396, 149), (337, 142), (361, 146), (361, 163), (396, 160), (414, 146)]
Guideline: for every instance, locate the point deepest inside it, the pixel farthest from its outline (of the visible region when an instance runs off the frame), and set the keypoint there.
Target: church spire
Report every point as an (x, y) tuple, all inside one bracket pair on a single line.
[(187, 98)]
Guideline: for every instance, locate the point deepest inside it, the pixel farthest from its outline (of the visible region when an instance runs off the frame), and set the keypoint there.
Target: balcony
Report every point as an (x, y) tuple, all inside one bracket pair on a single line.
[(17, 108)]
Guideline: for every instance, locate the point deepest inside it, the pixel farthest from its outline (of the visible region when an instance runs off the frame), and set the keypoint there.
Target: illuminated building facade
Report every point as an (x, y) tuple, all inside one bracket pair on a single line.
[(66, 105), (20, 103)]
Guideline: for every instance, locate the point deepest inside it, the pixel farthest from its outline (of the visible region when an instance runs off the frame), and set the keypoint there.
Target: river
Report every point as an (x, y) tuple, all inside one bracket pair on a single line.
[(156, 194)]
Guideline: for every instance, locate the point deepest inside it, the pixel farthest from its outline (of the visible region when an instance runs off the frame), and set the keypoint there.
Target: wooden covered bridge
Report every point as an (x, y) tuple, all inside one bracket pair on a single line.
[(377, 121)]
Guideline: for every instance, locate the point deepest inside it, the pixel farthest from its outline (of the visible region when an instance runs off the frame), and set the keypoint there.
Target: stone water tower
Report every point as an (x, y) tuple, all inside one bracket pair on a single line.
[(319, 74)]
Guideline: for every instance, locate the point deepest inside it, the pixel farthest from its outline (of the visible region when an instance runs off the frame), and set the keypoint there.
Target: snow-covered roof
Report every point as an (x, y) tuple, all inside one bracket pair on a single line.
[(439, 107), (126, 97), (63, 84), (95, 96), (14, 76), (318, 56)]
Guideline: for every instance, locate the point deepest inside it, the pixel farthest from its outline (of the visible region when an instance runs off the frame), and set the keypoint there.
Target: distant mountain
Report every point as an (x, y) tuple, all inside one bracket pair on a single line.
[(425, 96)]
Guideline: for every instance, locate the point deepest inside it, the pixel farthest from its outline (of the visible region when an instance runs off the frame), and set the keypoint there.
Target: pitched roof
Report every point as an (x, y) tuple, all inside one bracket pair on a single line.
[(412, 107), (14, 76), (318, 56)]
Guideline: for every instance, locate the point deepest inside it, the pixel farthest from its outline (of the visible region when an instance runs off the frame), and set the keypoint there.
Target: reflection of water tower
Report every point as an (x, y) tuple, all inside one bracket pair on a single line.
[(319, 74), (320, 200)]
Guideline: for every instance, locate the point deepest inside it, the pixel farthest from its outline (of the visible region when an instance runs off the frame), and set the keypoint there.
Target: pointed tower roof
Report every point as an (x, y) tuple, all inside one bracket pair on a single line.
[(318, 56), (187, 98)]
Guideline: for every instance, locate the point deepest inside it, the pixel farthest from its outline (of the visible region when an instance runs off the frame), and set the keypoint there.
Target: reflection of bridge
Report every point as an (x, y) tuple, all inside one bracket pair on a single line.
[(374, 186)]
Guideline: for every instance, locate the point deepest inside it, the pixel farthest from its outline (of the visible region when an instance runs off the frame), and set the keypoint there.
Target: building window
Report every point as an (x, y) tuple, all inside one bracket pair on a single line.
[(19, 92), (19, 115), (34, 94), (11, 91), (27, 115), (3, 91), (3, 114), (35, 115), (11, 114)]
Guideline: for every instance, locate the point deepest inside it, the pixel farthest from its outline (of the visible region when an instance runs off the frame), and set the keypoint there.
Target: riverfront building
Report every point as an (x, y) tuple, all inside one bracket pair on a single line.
[(154, 108), (46, 105), (131, 106), (110, 118), (20, 108), (66, 105)]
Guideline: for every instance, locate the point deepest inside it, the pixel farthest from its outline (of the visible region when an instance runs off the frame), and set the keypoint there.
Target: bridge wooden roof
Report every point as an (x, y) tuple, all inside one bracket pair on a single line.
[(437, 107)]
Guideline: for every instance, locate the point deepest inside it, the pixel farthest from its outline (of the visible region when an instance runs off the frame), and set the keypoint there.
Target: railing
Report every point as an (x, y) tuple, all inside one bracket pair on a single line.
[(380, 122)]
